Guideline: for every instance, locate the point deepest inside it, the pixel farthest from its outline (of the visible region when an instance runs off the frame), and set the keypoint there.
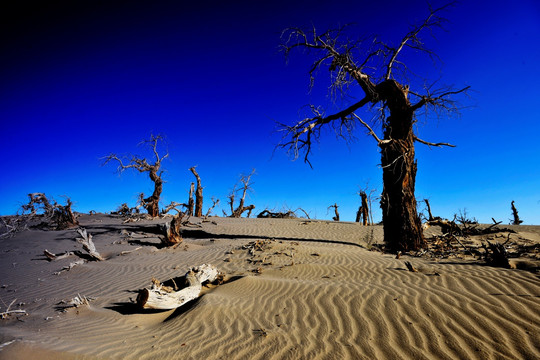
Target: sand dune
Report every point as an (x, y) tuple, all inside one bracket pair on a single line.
[(313, 292)]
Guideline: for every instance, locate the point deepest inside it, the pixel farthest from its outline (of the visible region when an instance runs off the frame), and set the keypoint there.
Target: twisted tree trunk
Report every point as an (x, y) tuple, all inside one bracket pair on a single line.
[(152, 202)]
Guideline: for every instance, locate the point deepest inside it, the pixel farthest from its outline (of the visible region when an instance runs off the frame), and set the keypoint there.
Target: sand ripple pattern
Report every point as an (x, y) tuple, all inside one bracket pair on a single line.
[(335, 301)]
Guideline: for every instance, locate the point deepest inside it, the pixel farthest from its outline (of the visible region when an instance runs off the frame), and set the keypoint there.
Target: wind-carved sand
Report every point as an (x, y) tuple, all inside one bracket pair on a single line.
[(294, 289)]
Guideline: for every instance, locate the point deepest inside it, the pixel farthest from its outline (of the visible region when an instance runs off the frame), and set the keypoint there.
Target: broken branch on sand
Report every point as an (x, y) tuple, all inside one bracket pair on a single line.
[(8, 311), (166, 298)]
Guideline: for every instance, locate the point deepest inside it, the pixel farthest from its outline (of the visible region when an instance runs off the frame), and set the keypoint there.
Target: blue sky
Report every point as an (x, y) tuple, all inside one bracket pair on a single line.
[(80, 81)]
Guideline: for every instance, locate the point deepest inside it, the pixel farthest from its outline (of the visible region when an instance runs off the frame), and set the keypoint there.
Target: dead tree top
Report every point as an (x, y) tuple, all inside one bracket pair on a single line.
[(136, 162), (359, 63)]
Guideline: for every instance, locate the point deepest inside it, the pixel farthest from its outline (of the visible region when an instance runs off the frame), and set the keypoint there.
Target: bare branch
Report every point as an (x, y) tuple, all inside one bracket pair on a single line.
[(412, 40), (439, 99), (432, 144), (301, 133)]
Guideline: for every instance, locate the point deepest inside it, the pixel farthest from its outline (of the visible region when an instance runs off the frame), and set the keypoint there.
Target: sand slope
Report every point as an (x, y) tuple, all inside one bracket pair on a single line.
[(312, 293)]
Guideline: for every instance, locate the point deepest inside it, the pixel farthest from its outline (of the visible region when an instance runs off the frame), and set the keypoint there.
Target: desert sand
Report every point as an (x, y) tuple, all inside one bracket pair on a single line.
[(294, 289)]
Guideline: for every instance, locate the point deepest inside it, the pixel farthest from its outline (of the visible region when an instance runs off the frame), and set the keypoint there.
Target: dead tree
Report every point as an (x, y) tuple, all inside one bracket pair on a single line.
[(517, 220), (53, 215), (335, 206), (191, 203), (376, 68), (215, 202), (151, 203), (363, 210), (430, 215), (198, 193), (245, 181)]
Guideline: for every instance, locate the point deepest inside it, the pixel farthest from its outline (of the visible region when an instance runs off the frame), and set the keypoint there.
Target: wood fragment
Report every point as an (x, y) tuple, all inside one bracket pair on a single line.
[(410, 267), (70, 266), (88, 245), (165, 298), (9, 312)]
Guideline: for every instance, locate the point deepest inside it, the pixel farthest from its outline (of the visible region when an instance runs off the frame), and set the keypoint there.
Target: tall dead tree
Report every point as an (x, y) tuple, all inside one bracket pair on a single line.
[(516, 220), (363, 210), (151, 203), (245, 181), (198, 193), (376, 68)]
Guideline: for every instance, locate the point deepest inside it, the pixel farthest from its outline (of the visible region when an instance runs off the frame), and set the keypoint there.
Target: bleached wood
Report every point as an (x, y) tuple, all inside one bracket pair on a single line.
[(88, 244), (165, 298)]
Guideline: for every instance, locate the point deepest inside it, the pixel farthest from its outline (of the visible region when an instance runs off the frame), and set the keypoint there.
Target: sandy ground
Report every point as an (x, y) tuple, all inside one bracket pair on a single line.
[(314, 291)]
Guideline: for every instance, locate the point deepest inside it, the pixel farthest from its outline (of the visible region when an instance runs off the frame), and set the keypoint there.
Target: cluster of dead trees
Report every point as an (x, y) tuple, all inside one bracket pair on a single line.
[(194, 205), (41, 212), (494, 253)]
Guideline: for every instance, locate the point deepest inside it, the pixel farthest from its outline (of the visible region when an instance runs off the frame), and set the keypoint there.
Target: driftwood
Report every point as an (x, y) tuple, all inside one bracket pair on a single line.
[(410, 267), (166, 298), (5, 314), (77, 301), (88, 245)]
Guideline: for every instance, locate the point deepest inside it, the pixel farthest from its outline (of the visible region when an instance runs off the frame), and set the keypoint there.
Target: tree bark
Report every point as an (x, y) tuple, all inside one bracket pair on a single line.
[(191, 202), (402, 225), (198, 193), (152, 202)]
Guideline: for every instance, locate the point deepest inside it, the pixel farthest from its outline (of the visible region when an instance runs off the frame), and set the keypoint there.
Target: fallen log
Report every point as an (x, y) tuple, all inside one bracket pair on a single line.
[(166, 298)]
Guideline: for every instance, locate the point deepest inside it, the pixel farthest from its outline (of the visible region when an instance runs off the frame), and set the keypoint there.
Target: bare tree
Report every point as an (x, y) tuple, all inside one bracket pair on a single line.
[(335, 206), (151, 203), (376, 68), (198, 193), (245, 182)]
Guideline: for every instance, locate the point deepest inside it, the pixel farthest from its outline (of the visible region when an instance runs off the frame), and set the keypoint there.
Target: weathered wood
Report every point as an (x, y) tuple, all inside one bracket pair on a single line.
[(166, 298), (335, 206), (410, 267), (172, 231), (517, 220), (88, 245), (198, 193)]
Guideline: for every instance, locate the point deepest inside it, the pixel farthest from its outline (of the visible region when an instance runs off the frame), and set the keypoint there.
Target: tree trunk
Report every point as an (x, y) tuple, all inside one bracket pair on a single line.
[(152, 202), (402, 226), (191, 203), (430, 215), (364, 208), (198, 193)]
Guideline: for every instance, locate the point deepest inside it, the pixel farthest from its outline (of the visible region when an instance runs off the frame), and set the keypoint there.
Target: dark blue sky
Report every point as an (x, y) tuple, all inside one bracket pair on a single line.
[(80, 81)]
